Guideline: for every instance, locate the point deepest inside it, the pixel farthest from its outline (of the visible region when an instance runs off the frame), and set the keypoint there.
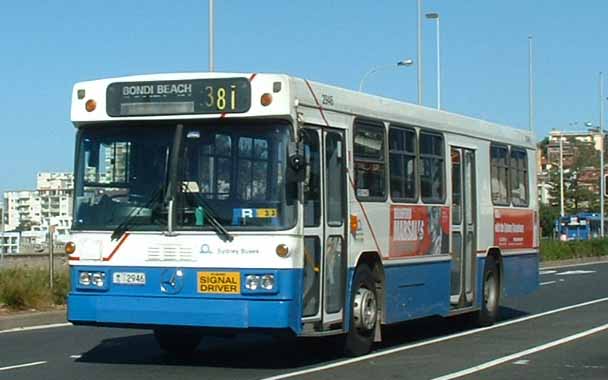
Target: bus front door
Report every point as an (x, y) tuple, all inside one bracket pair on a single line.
[(324, 228), (464, 230)]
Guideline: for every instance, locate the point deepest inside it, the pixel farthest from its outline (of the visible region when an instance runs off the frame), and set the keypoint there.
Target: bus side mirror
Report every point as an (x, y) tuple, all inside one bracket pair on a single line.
[(296, 161)]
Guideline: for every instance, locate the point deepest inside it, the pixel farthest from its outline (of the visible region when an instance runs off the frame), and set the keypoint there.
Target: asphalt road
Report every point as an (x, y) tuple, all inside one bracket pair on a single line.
[(560, 332)]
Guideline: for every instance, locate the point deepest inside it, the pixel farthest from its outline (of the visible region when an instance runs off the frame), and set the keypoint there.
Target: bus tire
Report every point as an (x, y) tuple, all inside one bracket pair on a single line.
[(177, 341), (490, 303), (364, 313)]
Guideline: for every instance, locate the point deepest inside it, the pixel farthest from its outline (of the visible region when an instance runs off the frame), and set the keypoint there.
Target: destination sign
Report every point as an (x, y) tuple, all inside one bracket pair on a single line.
[(177, 97)]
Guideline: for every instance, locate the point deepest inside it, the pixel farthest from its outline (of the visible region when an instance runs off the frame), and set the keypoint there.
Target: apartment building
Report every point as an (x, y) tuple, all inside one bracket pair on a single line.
[(49, 205)]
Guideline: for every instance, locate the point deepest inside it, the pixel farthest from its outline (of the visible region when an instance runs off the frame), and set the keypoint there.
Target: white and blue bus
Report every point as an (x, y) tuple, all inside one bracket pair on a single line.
[(214, 203)]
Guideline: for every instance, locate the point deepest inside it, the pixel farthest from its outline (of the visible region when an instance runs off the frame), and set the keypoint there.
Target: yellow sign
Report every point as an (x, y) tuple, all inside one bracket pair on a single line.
[(219, 282), (266, 213)]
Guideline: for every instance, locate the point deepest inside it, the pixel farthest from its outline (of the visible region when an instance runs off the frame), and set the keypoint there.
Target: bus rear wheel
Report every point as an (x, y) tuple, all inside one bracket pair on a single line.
[(364, 313), (177, 341), (491, 295)]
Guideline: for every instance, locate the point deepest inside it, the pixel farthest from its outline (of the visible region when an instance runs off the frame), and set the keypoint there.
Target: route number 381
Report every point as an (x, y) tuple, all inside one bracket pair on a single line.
[(221, 98)]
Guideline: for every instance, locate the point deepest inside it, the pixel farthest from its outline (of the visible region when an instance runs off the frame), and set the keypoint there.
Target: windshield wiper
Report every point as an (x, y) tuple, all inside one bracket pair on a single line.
[(124, 226), (210, 215)]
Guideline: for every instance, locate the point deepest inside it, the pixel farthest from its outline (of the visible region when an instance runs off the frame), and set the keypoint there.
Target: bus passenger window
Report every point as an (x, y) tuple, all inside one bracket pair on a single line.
[(431, 167), (402, 163), (499, 168), (519, 177), (369, 161)]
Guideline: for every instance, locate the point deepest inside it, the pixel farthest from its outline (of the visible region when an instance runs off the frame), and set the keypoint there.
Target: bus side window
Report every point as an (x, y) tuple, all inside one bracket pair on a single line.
[(431, 167), (519, 177), (402, 163), (370, 177), (499, 168)]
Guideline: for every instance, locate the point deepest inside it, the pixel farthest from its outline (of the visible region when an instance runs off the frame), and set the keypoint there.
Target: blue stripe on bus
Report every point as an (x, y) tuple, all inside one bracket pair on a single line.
[(417, 290), (146, 304), (520, 274)]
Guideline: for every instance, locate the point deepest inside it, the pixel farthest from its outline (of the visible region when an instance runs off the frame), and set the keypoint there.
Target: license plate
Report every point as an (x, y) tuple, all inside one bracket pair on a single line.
[(219, 282), (129, 278)]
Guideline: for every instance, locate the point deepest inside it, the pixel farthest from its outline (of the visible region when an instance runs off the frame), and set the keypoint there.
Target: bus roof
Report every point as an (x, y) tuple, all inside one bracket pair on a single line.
[(333, 99), (385, 109)]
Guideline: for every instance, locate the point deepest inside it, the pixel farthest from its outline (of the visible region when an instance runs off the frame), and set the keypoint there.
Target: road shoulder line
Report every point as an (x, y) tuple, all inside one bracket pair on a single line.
[(431, 341), (517, 355), (39, 327), (21, 365)]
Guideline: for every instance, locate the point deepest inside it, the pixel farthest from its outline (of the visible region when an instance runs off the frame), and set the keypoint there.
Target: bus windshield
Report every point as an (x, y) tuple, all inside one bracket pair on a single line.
[(234, 174), (121, 175)]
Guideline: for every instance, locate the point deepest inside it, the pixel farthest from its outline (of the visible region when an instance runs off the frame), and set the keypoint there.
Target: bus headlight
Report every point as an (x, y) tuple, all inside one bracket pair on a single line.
[(84, 278), (92, 280), (252, 282), (98, 279), (267, 282)]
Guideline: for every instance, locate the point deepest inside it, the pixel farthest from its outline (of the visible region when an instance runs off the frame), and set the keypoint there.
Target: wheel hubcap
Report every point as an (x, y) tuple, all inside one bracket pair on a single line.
[(365, 309), (490, 292)]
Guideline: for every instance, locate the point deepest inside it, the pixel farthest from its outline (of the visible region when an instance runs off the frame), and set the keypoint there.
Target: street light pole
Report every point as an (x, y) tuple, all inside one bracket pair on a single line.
[(561, 174), (211, 37), (530, 86), (419, 58), (602, 183), (435, 16), (405, 62)]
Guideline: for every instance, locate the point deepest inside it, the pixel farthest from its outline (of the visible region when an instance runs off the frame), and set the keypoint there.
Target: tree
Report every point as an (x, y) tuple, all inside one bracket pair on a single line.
[(548, 216), (577, 196)]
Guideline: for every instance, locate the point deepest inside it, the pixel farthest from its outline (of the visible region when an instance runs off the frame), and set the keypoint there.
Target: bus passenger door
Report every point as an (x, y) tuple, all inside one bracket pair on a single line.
[(464, 227), (324, 227)]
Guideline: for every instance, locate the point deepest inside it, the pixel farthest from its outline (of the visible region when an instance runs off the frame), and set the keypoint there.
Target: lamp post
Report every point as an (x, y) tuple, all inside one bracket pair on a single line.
[(405, 62), (602, 183), (435, 16), (419, 58), (561, 174), (530, 86), (211, 37)]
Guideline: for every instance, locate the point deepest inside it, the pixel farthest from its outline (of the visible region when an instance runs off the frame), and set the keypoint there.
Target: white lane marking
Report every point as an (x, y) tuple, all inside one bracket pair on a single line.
[(517, 355), (75, 356), (522, 362), (21, 365), (570, 272), (40, 327), (431, 341), (547, 283), (547, 272), (575, 265)]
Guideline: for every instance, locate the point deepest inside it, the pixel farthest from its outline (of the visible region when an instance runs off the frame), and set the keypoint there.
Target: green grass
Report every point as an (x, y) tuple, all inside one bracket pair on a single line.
[(28, 288), (561, 250)]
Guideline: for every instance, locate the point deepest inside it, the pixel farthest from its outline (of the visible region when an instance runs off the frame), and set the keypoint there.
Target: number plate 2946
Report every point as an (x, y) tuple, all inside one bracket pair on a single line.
[(129, 278)]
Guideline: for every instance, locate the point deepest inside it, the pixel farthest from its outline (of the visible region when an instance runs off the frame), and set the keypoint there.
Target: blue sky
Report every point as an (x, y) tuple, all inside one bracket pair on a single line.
[(46, 46)]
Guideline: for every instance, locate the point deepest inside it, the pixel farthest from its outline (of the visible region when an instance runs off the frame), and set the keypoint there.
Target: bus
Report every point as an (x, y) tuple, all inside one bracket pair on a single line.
[(581, 226), (218, 203)]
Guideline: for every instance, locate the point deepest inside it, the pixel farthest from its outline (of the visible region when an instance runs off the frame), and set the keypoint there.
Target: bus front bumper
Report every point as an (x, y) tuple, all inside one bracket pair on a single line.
[(131, 311)]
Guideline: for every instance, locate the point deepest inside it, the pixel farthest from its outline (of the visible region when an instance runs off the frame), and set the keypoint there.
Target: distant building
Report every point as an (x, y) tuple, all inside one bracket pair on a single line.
[(49, 205), (9, 242), (549, 159)]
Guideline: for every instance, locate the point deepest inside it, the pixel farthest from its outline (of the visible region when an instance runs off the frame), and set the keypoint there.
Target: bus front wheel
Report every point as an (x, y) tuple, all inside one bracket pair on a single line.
[(177, 341), (364, 313)]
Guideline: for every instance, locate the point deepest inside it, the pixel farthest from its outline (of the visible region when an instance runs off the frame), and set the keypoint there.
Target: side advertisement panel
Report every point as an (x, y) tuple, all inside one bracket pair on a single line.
[(419, 230), (513, 228)]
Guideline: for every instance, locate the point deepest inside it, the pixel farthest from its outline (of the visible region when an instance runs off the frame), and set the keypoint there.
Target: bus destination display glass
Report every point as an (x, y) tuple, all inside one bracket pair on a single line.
[(195, 96)]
